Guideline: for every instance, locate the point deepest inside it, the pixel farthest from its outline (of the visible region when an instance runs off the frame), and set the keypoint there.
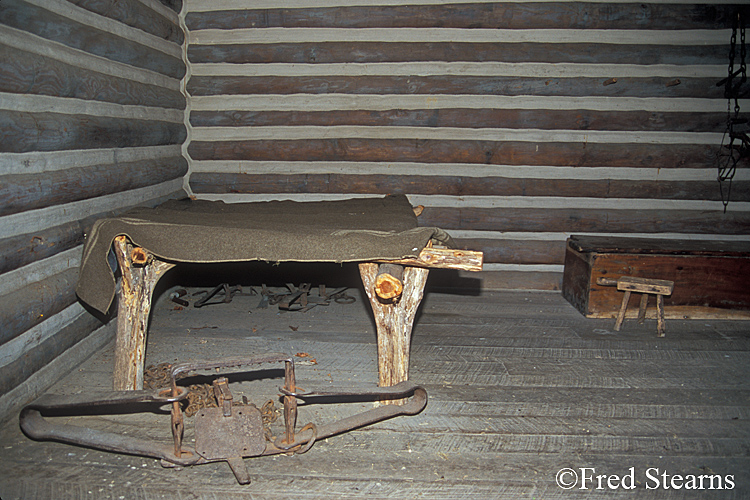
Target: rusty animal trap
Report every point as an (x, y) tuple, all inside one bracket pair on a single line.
[(292, 299), (228, 432)]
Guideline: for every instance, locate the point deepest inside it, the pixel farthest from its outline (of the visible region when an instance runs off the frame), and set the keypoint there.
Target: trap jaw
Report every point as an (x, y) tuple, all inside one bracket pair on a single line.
[(229, 432)]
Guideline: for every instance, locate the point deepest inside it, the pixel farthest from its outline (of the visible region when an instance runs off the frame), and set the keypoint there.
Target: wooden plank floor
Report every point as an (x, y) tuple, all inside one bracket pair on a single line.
[(520, 385)]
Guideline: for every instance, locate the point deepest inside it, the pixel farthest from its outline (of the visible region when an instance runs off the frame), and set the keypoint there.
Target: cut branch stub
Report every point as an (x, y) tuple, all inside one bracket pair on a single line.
[(389, 282), (139, 256), (445, 258)]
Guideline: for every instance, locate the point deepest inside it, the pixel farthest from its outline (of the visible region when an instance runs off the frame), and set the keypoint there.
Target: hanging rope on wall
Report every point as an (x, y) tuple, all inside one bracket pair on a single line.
[(735, 144)]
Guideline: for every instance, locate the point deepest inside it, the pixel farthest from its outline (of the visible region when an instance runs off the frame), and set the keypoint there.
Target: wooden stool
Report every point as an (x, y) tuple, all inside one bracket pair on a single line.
[(644, 286)]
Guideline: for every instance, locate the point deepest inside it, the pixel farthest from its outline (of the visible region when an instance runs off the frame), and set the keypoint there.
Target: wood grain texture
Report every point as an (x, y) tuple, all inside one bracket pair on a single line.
[(16, 372), (693, 87), (458, 151), (134, 307), (586, 220), (26, 73), (33, 191), (394, 321), (24, 16), (703, 281), (24, 249), (444, 258), (204, 182), (28, 307), (80, 77), (342, 70), (545, 119), (135, 14), (54, 132), (496, 15), (18, 251), (514, 279), (568, 386), (662, 246), (516, 251), (376, 52)]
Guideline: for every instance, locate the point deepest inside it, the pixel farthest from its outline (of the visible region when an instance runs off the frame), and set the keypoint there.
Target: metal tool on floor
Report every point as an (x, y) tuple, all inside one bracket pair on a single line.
[(228, 293), (230, 432), (300, 299), (177, 295)]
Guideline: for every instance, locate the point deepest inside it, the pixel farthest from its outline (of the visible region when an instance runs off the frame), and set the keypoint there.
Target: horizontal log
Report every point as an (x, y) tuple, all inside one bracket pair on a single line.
[(29, 306), (46, 24), (24, 132), (450, 281), (32, 191), (137, 15), (26, 73), (516, 251), (545, 119), (24, 249), (375, 52), (14, 373), (704, 88), (588, 220), (457, 151), (541, 15), (456, 185)]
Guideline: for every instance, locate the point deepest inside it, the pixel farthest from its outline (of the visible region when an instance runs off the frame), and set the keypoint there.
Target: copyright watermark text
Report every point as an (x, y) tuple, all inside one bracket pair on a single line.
[(653, 478)]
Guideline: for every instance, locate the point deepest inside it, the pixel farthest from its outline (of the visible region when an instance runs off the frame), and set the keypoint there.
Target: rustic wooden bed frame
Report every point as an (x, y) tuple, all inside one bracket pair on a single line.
[(395, 289)]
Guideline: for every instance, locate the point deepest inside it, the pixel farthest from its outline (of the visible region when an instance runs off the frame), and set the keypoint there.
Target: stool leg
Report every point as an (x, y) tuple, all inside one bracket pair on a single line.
[(621, 314), (661, 325), (642, 309)]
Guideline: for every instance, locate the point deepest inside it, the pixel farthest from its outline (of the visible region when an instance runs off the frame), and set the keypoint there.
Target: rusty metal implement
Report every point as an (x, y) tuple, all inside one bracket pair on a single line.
[(227, 433)]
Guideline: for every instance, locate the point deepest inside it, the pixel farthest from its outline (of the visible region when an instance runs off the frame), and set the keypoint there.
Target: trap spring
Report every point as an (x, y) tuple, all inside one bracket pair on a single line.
[(227, 432)]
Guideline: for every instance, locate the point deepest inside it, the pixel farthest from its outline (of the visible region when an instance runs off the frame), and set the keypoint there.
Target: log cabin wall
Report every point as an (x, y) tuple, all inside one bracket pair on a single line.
[(92, 120), (515, 123)]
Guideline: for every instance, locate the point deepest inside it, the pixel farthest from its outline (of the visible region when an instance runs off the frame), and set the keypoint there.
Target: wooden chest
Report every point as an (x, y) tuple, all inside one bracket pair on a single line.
[(712, 278)]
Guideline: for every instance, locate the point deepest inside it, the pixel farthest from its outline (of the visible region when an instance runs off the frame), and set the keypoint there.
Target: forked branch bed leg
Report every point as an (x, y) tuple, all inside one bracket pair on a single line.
[(140, 273), (394, 321)]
